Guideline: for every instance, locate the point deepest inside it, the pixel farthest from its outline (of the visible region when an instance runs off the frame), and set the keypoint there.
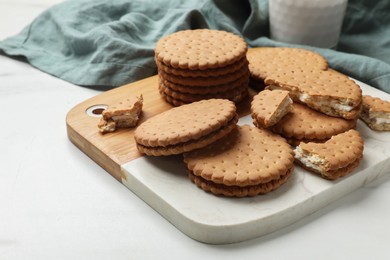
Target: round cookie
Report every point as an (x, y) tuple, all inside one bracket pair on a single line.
[(206, 81), (305, 123), (234, 95), (328, 91), (247, 162), (264, 61), (205, 90), (182, 129), (200, 49), (203, 73)]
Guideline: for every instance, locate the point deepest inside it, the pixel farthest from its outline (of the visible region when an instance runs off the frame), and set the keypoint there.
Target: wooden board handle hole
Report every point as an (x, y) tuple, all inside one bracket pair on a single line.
[(96, 110)]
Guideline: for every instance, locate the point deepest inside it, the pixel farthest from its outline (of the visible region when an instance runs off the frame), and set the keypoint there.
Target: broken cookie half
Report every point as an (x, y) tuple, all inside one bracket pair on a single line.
[(334, 158), (123, 114), (376, 113), (329, 92)]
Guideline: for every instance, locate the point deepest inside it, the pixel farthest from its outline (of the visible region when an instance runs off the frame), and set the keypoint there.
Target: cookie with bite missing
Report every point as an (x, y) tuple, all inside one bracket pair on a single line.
[(187, 127), (334, 158), (376, 113), (328, 92), (123, 114), (306, 124), (305, 74), (268, 107), (247, 162)]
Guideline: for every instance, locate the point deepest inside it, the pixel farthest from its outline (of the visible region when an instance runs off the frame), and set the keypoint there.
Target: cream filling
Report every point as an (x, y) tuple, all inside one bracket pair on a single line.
[(310, 161), (335, 104), (133, 116), (382, 120)]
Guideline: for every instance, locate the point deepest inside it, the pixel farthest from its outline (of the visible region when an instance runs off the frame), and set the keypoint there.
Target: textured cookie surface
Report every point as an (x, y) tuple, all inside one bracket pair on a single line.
[(234, 95), (200, 49), (206, 81), (239, 191), (203, 73), (268, 107), (187, 123), (213, 88), (376, 113), (333, 158), (305, 123), (248, 156), (125, 113), (264, 61), (327, 91)]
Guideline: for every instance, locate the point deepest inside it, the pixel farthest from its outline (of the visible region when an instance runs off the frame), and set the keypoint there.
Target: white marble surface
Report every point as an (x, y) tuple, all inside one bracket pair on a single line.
[(56, 203)]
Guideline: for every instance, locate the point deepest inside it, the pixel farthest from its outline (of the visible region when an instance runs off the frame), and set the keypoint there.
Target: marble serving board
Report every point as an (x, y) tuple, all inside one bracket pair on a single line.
[(162, 182)]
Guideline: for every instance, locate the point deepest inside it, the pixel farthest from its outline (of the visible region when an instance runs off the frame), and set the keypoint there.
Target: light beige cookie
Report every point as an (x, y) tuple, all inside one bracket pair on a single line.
[(334, 158), (329, 92), (206, 90), (376, 113), (200, 49), (268, 107), (304, 123), (123, 114), (247, 162), (187, 127), (264, 61), (235, 95), (231, 68), (206, 81)]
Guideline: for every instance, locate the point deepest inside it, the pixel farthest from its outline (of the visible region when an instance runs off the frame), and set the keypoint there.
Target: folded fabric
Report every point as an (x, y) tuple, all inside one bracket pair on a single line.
[(111, 43)]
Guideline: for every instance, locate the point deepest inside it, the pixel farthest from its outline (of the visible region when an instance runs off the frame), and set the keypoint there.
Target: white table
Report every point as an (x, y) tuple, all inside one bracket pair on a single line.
[(56, 203)]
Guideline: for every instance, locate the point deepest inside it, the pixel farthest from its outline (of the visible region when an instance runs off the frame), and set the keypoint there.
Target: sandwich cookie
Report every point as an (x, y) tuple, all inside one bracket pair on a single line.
[(264, 61), (334, 158), (123, 114), (235, 95), (328, 91), (376, 113), (203, 73), (200, 49), (247, 162), (268, 107), (211, 89), (306, 124), (185, 128)]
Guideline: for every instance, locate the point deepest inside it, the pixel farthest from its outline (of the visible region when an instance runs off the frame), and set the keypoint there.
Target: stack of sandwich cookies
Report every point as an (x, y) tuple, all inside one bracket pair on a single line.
[(306, 124), (269, 107), (376, 113), (247, 162), (185, 128), (333, 159), (202, 64)]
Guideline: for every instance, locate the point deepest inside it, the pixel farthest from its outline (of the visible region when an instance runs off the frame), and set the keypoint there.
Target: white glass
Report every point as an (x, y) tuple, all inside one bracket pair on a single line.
[(310, 22)]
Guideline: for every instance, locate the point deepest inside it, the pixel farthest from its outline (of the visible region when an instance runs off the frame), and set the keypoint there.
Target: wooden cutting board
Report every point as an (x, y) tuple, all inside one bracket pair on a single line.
[(162, 182)]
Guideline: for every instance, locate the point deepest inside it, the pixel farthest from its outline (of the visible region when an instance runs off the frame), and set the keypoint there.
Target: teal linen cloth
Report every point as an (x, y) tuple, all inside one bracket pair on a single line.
[(110, 43)]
